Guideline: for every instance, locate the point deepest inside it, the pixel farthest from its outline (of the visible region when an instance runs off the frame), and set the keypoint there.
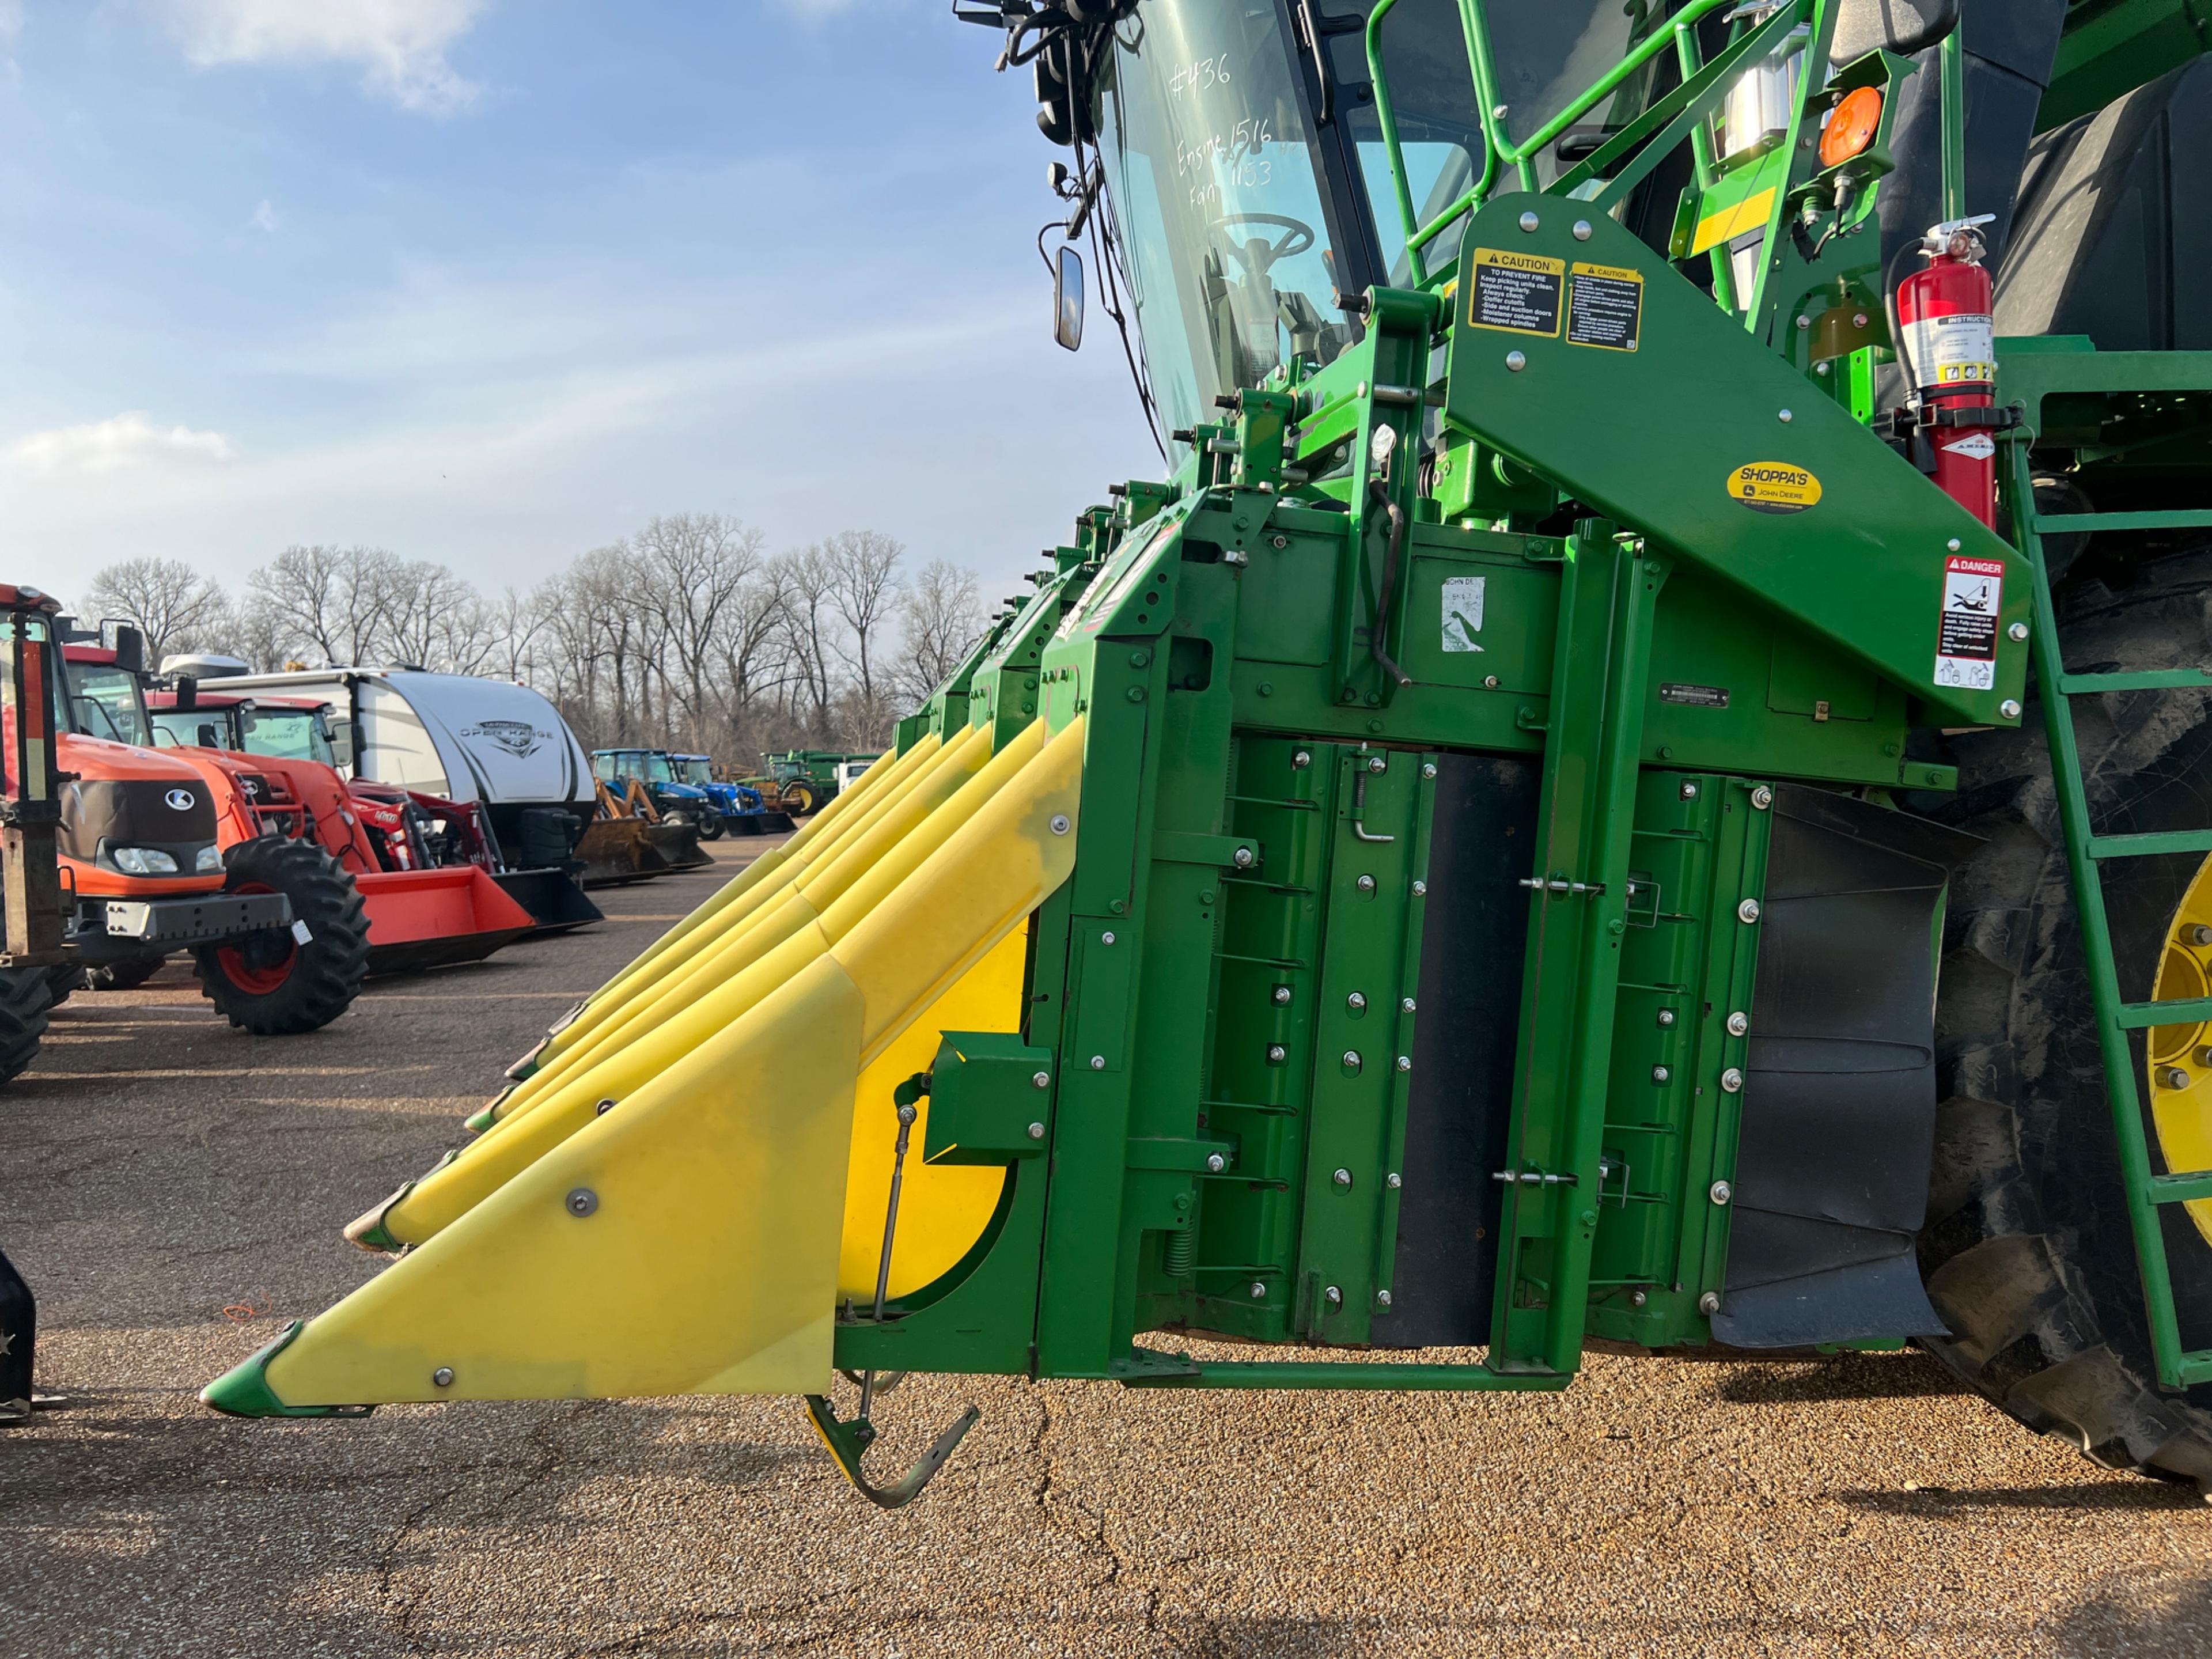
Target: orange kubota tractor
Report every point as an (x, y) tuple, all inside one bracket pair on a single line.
[(275, 929)]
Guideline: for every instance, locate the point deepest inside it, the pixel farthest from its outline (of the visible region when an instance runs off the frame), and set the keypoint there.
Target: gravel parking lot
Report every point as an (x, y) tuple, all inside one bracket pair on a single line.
[(173, 1190)]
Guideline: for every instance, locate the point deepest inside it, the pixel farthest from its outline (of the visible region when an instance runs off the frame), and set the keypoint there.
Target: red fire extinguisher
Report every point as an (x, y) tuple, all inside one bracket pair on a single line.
[(1945, 339)]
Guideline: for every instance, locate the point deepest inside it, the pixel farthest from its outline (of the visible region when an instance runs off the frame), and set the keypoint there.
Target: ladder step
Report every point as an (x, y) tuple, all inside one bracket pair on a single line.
[(2142, 847), (2065, 523), (2181, 1189), (2196, 1367), (2183, 1011), (2152, 679)]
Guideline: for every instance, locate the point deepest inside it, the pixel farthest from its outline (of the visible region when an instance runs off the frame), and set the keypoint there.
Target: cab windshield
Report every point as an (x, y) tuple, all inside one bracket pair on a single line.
[(194, 728), (1215, 182), (699, 770), (289, 734), (107, 704)]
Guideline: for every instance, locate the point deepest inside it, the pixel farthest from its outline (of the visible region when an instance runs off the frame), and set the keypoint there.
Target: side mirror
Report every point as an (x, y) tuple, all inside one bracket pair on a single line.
[(128, 644), (1067, 298), (343, 743)]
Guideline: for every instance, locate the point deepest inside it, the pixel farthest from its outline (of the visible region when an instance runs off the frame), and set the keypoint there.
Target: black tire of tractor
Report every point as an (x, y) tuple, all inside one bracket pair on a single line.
[(25, 994), (2026, 1251), (126, 976), (799, 799), (710, 824), (64, 982), (326, 972)]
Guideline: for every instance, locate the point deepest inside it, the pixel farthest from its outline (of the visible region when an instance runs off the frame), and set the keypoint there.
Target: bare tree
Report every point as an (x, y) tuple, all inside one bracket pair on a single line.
[(166, 600), (692, 568), (864, 585), (810, 617), (330, 601), (941, 616)]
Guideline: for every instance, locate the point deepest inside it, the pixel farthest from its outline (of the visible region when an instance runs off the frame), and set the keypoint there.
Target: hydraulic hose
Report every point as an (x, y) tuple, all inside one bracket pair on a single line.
[(1379, 493)]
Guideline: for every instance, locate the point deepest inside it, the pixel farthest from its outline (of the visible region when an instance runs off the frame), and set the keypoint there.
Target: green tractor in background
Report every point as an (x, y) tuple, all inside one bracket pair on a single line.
[(1645, 781), (805, 781)]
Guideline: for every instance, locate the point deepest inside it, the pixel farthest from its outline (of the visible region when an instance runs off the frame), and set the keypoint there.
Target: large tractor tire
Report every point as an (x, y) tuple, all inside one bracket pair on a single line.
[(64, 982), (25, 994), (269, 983), (710, 824), (2028, 1251), (799, 797), (126, 976)]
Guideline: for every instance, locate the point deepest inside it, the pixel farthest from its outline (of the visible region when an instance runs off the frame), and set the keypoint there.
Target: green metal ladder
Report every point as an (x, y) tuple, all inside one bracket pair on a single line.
[(2147, 1193)]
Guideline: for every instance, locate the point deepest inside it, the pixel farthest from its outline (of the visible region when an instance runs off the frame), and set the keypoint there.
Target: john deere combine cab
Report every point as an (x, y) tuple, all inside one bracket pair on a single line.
[(1644, 783)]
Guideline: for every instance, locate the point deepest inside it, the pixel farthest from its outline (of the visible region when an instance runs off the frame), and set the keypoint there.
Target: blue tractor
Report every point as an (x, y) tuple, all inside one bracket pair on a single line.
[(743, 812), (653, 770)]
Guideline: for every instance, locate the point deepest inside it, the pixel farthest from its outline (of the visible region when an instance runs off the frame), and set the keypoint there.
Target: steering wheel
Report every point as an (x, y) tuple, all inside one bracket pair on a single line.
[(1259, 256)]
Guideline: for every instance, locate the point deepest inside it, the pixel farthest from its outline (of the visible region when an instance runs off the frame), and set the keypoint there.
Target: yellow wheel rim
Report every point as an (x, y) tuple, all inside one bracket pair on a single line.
[(2180, 1080)]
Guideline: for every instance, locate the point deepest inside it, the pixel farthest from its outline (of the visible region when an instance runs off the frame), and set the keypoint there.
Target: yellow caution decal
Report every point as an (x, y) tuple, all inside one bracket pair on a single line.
[(1774, 487)]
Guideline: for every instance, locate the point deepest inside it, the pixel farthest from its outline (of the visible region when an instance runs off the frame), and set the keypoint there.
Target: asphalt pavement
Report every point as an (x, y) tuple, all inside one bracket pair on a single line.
[(173, 1190)]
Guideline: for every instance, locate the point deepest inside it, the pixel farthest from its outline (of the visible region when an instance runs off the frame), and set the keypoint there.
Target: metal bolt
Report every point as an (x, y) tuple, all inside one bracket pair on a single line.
[(1405, 1004), (1277, 1053), (1041, 1080), (1515, 361), (1355, 1002), (2174, 1077), (1581, 230), (1665, 1017), (1243, 859), (1258, 1291), (1952, 544), (1037, 1131), (1721, 1192), (1352, 1060), (1858, 320), (2018, 631), (1382, 1298), (1490, 681), (1278, 543), (1365, 883), (1428, 769), (1739, 1023), (1732, 1081), (1097, 1062), (1106, 937), (1334, 1296), (1300, 761), (1215, 1163), (1377, 763), (1405, 1062), (1804, 322), (1528, 220), (1421, 889), (1660, 1074), (1391, 1181), (1282, 993), (602, 1109), (1786, 417), (443, 1377), (1762, 798), (2009, 708), (1748, 911), (581, 1202), (1689, 790), (1710, 1303), (1342, 1177), (1060, 823), (1637, 1299), (2200, 934)]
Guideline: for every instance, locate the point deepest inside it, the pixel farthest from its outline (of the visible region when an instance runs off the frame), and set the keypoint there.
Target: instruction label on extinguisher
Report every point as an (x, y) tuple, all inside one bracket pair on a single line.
[(1966, 637), (1949, 351)]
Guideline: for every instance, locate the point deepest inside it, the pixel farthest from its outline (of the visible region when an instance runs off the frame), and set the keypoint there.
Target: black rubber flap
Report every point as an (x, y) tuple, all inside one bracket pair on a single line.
[(1474, 939), (1839, 1102)]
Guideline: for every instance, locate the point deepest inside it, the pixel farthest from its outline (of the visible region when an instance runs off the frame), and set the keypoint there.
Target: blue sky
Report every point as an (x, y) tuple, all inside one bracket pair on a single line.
[(493, 281)]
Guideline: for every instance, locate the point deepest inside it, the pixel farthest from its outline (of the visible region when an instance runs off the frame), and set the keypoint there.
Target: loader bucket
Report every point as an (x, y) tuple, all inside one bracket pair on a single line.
[(422, 919), (617, 850), (554, 898), (701, 1213), (679, 844)]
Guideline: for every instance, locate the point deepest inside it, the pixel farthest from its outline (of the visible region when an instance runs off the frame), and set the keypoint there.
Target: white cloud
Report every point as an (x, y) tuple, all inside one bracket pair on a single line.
[(127, 440), (264, 216), (400, 44)]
